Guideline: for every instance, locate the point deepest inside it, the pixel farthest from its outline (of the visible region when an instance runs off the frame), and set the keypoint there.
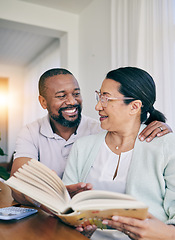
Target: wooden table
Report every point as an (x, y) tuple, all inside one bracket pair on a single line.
[(36, 227)]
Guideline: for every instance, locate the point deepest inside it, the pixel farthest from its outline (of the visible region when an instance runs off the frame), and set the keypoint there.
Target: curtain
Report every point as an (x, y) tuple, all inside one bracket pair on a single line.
[(143, 35)]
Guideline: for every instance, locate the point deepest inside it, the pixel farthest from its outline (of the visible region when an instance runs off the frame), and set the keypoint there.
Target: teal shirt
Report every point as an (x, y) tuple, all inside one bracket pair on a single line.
[(151, 176)]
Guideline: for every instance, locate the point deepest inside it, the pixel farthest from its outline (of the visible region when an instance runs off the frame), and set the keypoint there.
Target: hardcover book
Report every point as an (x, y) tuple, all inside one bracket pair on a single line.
[(41, 184)]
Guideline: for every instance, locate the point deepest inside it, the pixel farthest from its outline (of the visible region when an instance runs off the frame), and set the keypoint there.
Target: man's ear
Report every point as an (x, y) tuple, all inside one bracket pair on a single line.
[(42, 101), (135, 106)]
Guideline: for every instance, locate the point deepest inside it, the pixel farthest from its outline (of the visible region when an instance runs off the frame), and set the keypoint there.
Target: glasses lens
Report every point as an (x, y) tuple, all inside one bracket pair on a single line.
[(101, 98), (97, 96)]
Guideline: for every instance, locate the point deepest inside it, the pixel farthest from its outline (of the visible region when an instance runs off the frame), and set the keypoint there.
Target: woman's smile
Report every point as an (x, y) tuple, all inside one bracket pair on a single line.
[(102, 118)]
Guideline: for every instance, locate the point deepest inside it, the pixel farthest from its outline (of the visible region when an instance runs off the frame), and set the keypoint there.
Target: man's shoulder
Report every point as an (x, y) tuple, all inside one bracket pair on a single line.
[(37, 123), (34, 127), (90, 125)]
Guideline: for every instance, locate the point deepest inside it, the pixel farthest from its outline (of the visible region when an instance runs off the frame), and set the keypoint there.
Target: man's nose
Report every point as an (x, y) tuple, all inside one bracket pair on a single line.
[(71, 100)]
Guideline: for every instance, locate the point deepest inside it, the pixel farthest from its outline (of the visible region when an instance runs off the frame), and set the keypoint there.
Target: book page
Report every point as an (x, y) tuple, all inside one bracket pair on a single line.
[(99, 194), (43, 177), (52, 175), (54, 203), (37, 182), (100, 204)]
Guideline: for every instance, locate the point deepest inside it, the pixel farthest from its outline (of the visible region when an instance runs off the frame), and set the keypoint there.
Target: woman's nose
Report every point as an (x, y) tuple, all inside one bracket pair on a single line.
[(98, 106)]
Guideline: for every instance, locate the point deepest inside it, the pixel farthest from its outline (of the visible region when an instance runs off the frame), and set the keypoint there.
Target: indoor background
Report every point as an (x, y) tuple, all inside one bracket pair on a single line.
[(89, 38)]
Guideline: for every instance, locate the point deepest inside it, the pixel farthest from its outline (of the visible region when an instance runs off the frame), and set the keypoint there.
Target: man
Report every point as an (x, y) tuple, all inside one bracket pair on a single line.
[(50, 139)]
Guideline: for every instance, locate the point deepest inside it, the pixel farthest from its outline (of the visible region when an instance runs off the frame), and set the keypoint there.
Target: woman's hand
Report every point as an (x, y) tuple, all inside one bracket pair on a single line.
[(149, 229), (87, 231), (154, 129), (78, 187)]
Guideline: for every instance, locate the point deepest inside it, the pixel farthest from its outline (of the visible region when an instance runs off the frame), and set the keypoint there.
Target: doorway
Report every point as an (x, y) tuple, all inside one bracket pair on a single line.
[(4, 117)]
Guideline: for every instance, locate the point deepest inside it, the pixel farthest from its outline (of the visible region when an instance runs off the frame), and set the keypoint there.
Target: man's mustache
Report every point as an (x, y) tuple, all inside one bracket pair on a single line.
[(70, 107)]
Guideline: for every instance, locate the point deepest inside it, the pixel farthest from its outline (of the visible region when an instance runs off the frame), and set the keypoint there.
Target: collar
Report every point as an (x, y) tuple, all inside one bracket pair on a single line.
[(46, 130)]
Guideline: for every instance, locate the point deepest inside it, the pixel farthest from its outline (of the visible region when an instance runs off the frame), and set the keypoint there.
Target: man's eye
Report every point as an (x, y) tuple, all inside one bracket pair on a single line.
[(61, 97), (76, 94)]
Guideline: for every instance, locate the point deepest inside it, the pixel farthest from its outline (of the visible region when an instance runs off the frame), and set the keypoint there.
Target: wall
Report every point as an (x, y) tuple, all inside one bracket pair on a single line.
[(84, 49), (95, 51), (62, 24), (50, 58), (24, 106), (23, 82)]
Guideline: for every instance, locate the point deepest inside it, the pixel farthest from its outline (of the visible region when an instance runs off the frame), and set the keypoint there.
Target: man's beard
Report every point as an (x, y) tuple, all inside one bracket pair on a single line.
[(67, 123)]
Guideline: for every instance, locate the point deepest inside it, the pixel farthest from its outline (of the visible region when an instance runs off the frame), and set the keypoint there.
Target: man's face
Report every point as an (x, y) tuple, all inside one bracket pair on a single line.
[(63, 99)]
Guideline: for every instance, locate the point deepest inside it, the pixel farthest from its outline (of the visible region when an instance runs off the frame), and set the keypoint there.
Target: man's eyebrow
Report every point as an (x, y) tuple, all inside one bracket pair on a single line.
[(60, 92), (63, 91)]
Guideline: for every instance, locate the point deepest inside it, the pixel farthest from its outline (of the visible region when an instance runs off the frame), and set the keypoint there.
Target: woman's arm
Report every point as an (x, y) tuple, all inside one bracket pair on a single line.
[(149, 229)]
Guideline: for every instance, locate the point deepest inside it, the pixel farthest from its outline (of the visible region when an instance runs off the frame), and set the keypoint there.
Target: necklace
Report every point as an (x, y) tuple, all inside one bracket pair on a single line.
[(117, 147)]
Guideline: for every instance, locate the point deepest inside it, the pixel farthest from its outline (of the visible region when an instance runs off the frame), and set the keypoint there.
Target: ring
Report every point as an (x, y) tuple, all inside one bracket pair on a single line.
[(126, 232), (161, 129)]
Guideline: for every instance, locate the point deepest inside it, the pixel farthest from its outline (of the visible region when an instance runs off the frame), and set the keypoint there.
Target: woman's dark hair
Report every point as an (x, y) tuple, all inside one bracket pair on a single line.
[(47, 74), (138, 84)]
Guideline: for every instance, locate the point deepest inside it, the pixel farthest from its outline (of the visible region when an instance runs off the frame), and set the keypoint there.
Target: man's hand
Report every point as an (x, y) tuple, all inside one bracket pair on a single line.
[(87, 230), (78, 187), (154, 129)]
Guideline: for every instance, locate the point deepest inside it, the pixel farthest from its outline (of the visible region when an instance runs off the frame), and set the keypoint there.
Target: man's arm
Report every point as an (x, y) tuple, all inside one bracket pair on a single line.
[(154, 129), (17, 163)]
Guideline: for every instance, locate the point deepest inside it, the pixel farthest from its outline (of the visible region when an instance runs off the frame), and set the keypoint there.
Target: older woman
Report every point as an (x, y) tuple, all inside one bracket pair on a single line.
[(116, 160)]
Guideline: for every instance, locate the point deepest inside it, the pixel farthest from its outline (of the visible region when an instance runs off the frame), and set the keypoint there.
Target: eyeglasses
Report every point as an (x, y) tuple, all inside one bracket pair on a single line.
[(104, 99)]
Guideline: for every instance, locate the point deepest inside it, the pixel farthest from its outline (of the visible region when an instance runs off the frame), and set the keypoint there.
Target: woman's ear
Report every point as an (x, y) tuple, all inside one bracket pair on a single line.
[(135, 106), (42, 101)]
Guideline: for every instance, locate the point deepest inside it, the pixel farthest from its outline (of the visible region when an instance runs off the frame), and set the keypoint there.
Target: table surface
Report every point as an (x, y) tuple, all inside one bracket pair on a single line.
[(38, 226)]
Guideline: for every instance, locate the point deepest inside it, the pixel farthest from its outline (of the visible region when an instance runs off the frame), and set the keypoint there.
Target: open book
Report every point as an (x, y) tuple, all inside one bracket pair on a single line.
[(89, 207)]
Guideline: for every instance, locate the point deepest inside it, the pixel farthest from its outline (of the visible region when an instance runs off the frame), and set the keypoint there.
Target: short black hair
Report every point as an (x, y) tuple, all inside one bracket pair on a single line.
[(47, 74), (139, 85)]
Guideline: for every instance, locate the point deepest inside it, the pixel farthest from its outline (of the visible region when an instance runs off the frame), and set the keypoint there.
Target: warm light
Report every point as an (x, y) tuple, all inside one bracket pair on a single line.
[(3, 99)]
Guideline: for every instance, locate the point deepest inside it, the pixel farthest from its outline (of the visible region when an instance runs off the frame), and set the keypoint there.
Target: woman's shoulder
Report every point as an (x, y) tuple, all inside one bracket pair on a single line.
[(167, 137), (91, 139), (165, 143)]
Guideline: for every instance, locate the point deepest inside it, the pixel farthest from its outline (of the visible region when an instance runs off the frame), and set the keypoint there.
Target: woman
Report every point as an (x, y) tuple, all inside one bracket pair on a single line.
[(116, 160)]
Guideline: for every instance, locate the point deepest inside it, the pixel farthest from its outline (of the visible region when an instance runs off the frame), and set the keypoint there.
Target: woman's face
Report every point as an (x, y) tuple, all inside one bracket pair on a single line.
[(115, 115)]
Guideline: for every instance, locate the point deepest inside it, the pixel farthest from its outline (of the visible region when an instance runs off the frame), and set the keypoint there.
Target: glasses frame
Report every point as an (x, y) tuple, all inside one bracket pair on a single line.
[(104, 99)]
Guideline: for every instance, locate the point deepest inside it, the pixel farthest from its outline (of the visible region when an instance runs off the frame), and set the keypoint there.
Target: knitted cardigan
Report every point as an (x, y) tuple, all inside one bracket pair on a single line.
[(151, 176)]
